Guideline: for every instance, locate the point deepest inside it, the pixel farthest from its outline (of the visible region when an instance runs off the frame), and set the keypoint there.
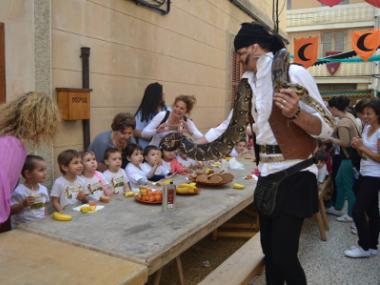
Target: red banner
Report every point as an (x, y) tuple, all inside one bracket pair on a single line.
[(330, 2), (375, 3), (306, 51), (365, 43), (332, 67)]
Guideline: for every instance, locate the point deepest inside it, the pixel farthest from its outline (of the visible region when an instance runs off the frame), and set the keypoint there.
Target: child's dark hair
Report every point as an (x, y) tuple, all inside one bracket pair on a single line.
[(242, 140), (110, 151), (65, 157), (131, 148), (30, 163), (149, 148), (84, 153)]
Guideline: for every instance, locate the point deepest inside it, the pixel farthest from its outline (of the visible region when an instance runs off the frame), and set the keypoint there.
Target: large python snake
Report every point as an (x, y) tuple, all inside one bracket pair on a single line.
[(223, 145)]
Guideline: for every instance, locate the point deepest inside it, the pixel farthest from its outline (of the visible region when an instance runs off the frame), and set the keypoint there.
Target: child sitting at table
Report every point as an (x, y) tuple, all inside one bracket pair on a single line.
[(170, 161), (115, 175), (95, 182), (240, 148), (134, 169), (29, 200), (152, 166), (69, 188), (187, 162)]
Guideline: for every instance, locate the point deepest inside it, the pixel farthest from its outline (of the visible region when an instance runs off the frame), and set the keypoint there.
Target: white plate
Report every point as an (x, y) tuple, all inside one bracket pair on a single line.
[(98, 207)]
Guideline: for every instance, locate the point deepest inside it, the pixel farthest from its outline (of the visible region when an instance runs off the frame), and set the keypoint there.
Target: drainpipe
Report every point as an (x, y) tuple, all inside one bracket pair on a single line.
[(85, 55)]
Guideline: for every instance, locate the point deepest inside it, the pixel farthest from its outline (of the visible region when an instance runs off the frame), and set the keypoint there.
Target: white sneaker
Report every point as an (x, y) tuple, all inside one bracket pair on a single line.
[(354, 230), (357, 252), (344, 219), (373, 251), (333, 211)]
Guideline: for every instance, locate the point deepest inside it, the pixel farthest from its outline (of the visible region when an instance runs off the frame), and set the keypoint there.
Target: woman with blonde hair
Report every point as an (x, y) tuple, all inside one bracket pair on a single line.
[(31, 118), (166, 122)]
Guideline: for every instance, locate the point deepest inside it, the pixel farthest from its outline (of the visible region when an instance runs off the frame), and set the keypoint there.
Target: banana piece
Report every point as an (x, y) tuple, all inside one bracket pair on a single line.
[(87, 209), (129, 194), (238, 186), (61, 217)]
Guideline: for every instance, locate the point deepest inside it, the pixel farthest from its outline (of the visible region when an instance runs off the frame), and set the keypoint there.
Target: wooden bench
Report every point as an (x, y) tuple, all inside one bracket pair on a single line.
[(240, 267)]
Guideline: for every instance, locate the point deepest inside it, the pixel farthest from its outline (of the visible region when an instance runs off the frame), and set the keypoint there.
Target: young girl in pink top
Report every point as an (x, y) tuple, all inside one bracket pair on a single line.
[(94, 180)]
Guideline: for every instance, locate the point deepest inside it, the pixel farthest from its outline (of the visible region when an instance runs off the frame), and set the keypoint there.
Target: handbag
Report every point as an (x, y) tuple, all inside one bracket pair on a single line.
[(265, 194)]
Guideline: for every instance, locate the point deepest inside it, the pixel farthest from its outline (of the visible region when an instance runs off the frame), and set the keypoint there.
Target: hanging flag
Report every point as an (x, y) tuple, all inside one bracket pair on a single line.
[(375, 3), (330, 2), (306, 51), (365, 43), (332, 67)]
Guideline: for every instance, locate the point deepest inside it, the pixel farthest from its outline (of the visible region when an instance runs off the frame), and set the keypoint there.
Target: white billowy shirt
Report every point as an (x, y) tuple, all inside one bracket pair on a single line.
[(262, 98)]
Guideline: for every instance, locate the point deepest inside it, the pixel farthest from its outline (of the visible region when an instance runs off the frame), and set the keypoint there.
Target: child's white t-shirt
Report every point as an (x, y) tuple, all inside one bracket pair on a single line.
[(136, 175), (95, 185), (160, 170), (67, 191), (36, 211), (166, 166), (117, 180), (186, 162), (234, 153)]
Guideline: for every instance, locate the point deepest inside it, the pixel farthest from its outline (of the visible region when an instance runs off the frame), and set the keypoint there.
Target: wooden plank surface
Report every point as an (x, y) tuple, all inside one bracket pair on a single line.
[(2, 63), (240, 267), (143, 233), (27, 258)]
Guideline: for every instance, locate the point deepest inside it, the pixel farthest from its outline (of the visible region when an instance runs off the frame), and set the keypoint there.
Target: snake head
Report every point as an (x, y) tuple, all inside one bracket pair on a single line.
[(170, 142)]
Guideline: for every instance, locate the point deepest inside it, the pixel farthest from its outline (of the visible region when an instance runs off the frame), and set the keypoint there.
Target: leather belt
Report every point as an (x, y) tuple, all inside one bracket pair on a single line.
[(269, 149), (277, 158)]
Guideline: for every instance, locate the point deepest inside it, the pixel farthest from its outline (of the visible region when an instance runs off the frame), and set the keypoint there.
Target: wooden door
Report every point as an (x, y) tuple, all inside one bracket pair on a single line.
[(2, 63)]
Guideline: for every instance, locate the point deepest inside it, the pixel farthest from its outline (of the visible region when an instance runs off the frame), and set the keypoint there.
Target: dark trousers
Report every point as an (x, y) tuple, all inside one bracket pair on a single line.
[(366, 212), (279, 240), (6, 226)]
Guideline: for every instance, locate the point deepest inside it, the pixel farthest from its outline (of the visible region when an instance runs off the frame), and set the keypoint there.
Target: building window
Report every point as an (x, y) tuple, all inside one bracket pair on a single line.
[(2, 64), (332, 41)]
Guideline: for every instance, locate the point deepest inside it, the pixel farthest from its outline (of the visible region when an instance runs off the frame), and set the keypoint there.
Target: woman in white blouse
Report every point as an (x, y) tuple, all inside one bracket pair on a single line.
[(366, 208), (166, 122)]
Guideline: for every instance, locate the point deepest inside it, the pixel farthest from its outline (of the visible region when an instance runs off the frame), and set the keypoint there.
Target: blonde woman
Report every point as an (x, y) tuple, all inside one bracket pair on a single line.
[(31, 118)]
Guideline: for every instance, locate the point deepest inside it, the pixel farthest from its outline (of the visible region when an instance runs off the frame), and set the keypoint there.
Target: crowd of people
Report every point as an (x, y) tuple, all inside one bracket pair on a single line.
[(117, 161), (128, 156), (352, 158)]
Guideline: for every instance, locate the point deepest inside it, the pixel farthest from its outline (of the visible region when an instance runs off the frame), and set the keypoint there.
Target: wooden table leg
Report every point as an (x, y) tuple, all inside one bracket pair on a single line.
[(157, 277), (214, 235), (322, 210), (180, 270), (320, 225)]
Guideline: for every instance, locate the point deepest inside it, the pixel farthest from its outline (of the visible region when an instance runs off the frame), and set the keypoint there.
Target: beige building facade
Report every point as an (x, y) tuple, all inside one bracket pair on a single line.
[(189, 51), (334, 27)]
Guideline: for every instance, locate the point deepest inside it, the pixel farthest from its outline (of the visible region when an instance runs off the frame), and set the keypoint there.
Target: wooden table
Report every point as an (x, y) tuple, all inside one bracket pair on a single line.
[(143, 233), (27, 258)]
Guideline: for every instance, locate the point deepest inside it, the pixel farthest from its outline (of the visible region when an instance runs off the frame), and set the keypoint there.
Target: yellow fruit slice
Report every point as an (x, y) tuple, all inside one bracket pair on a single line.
[(129, 194), (61, 217), (88, 209), (238, 186)]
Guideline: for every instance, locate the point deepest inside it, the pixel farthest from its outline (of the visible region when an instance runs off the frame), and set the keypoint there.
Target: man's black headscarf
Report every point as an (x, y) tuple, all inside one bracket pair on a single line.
[(253, 33)]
